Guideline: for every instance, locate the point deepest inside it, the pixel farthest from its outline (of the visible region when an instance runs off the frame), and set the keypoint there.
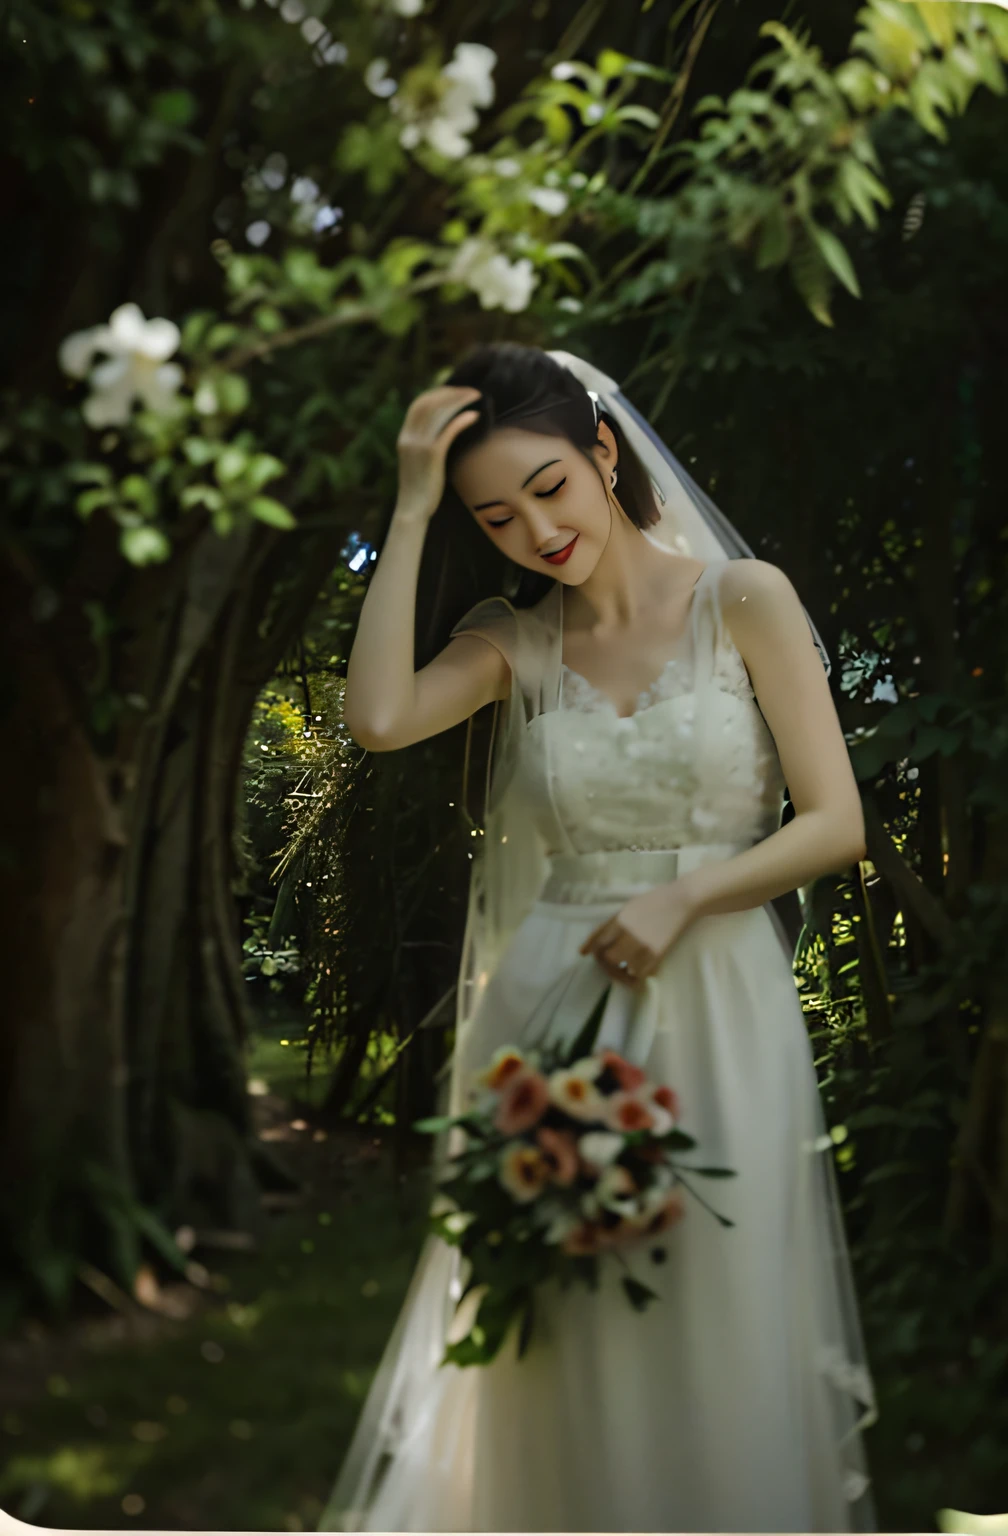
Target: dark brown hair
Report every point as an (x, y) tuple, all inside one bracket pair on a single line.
[(521, 386)]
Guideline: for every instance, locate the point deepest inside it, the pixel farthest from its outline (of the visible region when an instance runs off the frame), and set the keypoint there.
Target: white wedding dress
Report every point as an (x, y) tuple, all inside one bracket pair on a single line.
[(736, 1401)]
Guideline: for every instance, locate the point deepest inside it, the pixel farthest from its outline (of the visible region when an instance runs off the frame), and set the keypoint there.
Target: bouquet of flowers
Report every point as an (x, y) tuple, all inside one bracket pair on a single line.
[(569, 1157)]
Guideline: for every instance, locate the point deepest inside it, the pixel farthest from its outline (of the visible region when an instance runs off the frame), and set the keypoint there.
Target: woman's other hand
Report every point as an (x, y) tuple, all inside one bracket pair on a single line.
[(642, 932)]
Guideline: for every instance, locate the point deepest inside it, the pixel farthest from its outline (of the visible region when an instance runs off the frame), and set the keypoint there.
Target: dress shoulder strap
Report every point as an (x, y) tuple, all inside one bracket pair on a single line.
[(528, 639)]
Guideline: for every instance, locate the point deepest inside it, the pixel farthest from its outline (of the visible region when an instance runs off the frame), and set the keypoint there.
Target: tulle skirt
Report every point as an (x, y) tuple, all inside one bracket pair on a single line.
[(736, 1401)]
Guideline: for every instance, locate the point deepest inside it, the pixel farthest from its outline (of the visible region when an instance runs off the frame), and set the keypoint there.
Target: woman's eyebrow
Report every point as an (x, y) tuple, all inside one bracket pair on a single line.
[(482, 505)]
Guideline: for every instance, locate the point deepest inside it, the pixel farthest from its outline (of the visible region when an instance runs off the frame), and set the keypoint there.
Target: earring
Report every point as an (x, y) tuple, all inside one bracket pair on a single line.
[(612, 480)]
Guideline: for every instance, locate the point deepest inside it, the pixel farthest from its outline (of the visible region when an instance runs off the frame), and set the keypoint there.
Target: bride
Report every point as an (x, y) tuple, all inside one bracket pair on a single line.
[(656, 690)]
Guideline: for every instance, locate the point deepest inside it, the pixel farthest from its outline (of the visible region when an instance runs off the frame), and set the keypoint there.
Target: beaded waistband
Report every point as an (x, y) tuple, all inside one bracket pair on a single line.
[(620, 873)]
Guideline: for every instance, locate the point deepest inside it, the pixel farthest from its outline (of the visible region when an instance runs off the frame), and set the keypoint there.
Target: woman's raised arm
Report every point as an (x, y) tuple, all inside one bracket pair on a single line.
[(387, 704)]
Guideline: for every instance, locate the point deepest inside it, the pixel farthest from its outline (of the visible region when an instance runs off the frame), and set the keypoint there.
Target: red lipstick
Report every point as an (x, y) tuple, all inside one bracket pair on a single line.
[(563, 554)]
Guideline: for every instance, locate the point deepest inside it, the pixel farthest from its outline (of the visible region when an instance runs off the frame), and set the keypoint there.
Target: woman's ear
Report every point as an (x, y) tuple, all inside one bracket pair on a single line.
[(605, 451)]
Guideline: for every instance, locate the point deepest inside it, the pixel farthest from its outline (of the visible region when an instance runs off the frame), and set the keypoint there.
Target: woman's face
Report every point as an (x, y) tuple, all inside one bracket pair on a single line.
[(534, 495)]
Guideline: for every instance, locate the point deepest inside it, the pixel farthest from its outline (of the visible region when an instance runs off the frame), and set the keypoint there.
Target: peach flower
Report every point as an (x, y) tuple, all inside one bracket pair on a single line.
[(560, 1151), (524, 1100), (626, 1112), (523, 1171), (626, 1074), (583, 1241), (623, 1235), (593, 1238), (667, 1099), (634, 1112)]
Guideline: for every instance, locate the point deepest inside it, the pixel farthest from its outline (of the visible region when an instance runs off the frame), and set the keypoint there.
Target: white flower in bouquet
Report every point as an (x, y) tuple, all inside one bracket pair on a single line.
[(575, 1093), (505, 1063), (598, 1149), (136, 365), (662, 1177), (615, 1191), (591, 1067)]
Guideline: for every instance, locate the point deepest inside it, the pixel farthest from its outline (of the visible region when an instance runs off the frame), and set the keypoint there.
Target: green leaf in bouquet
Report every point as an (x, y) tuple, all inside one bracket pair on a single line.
[(585, 1041), (639, 1295), (471, 1238), (527, 1321), (677, 1138), (716, 1173), (497, 1310), (725, 1222), (474, 1281), (440, 1228), (545, 1211), (467, 1351), (434, 1124), (474, 1126), (482, 1168)]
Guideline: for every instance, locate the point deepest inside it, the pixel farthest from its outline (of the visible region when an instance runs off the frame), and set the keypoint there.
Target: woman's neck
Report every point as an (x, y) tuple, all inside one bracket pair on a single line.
[(630, 580)]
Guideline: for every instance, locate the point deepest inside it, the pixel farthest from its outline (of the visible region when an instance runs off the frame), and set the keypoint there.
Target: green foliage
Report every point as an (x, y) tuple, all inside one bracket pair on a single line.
[(299, 1323), (680, 243), (773, 161), (90, 1206)]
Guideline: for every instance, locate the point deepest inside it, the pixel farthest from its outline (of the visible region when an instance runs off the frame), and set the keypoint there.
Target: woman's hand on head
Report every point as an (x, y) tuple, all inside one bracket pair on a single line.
[(432, 423)]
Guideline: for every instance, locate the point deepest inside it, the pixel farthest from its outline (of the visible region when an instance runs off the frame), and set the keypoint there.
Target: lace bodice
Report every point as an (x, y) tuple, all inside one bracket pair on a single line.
[(629, 782)]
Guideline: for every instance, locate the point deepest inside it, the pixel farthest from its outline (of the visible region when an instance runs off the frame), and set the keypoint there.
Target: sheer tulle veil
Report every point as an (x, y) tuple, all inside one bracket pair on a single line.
[(509, 864)]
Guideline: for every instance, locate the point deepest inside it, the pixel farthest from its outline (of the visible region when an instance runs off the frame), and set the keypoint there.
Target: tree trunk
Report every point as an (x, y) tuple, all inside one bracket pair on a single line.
[(122, 1048), (62, 1050)]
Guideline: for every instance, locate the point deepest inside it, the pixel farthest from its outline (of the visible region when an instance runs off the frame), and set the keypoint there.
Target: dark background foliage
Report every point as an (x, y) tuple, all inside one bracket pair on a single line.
[(196, 858)]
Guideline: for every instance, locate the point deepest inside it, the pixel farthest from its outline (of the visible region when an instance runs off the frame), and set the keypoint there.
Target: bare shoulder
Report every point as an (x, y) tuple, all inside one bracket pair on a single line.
[(759, 602), (753, 579)]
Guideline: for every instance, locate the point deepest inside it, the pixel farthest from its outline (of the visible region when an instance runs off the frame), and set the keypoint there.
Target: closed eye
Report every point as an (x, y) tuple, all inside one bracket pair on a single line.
[(542, 495)]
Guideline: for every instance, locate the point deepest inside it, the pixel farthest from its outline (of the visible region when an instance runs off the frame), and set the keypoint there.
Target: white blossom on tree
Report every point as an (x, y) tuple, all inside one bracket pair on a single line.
[(136, 365), (378, 80), (465, 83), (497, 282), (549, 199), (407, 7)]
